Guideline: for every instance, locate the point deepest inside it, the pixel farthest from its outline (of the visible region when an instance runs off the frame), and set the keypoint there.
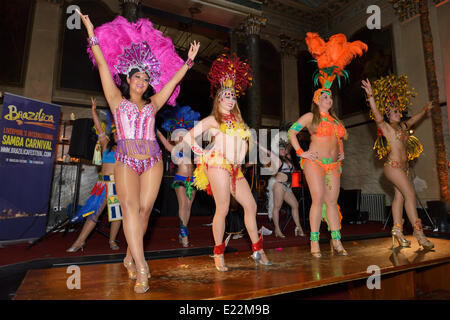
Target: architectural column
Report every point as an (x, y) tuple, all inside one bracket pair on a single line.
[(233, 41), (253, 29), (289, 79), (130, 9), (45, 34)]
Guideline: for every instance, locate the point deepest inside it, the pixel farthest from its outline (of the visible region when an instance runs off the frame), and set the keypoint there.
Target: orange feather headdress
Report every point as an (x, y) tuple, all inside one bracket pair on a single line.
[(331, 57)]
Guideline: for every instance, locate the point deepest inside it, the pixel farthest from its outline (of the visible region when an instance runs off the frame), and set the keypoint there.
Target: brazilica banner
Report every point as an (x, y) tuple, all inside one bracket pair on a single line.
[(28, 136)]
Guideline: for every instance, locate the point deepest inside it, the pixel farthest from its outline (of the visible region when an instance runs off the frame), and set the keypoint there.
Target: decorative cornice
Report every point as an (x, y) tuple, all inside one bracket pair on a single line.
[(136, 2), (253, 24), (289, 46), (405, 9)]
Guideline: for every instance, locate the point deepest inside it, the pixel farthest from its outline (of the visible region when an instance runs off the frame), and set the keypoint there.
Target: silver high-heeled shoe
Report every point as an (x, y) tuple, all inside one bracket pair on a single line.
[(75, 249), (257, 256), (298, 232)]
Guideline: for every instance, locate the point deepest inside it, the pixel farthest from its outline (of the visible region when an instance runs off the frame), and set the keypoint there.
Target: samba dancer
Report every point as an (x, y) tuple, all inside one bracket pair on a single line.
[(390, 98), (148, 60), (322, 162), (218, 171), (177, 122), (103, 192)]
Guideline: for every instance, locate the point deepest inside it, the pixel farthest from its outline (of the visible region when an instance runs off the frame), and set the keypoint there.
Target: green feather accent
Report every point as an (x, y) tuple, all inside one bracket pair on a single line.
[(189, 188), (324, 215)]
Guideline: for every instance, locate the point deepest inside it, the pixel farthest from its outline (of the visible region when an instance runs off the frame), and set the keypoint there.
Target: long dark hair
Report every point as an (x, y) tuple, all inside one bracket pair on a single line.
[(112, 142), (125, 87)]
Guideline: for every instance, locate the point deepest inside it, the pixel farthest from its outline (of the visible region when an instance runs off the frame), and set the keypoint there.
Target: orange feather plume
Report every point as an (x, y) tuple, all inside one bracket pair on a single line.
[(336, 52)]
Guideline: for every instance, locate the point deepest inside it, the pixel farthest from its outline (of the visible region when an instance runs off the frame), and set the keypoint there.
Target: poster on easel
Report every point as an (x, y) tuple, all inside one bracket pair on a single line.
[(28, 137)]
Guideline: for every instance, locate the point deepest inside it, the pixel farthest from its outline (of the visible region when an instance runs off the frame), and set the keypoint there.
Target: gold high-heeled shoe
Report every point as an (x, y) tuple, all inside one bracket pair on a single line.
[(297, 232), (420, 236), (184, 244), (315, 236), (397, 233), (75, 249), (142, 284), (336, 235), (132, 273), (279, 235), (342, 252)]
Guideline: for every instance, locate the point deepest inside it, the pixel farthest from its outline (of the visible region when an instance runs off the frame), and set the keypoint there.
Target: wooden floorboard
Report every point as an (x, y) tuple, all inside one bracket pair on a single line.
[(195, 278)]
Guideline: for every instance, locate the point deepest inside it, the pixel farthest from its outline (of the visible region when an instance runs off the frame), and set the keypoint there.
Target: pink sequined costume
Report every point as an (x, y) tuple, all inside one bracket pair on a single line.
[(136, 136), (127, 46)]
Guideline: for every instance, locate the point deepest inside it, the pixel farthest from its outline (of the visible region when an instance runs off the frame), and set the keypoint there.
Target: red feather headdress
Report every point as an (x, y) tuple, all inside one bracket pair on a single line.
[(229, 72)]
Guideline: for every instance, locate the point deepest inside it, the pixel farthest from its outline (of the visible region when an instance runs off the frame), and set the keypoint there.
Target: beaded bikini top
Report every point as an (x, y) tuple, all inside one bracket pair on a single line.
[(329, 126), (402, 134), (232, 127), (413, 146)]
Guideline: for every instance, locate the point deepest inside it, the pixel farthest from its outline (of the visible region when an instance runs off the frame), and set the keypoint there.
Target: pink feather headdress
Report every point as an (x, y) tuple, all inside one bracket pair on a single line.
[(138, 45)]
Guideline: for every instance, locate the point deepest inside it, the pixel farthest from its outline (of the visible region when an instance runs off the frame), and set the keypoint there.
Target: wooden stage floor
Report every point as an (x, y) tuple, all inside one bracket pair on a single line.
[(195, 278)]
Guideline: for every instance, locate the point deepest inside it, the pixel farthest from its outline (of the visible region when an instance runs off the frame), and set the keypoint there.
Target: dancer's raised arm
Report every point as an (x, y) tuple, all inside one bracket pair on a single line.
[(112, 93), (164, 141), (101, 133), (379, 119), (413, 120), (162, 96)]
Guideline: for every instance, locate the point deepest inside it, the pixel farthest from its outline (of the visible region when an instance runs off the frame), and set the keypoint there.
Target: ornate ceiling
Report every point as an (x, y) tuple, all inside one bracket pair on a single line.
[(210, 21)]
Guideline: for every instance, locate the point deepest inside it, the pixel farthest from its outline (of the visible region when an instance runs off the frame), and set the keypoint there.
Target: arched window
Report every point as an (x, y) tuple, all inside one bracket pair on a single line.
[(375, 63)]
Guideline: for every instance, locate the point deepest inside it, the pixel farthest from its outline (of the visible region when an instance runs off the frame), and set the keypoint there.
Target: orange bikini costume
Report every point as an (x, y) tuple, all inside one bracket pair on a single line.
[(327, 127), (331, 56), (215, 159)]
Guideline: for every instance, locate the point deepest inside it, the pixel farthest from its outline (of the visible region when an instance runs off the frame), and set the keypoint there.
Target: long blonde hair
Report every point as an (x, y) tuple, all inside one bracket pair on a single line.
[(317, 118), (216, 112)]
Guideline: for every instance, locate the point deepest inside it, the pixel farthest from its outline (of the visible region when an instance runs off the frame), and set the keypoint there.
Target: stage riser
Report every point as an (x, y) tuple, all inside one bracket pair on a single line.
[(405, 273), (412, 284), (405, 285)]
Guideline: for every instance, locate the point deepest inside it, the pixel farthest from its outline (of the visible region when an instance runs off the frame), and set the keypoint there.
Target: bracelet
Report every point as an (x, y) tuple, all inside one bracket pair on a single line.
[(426, 108), (299, 151), (189, 62), (93, 41)]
